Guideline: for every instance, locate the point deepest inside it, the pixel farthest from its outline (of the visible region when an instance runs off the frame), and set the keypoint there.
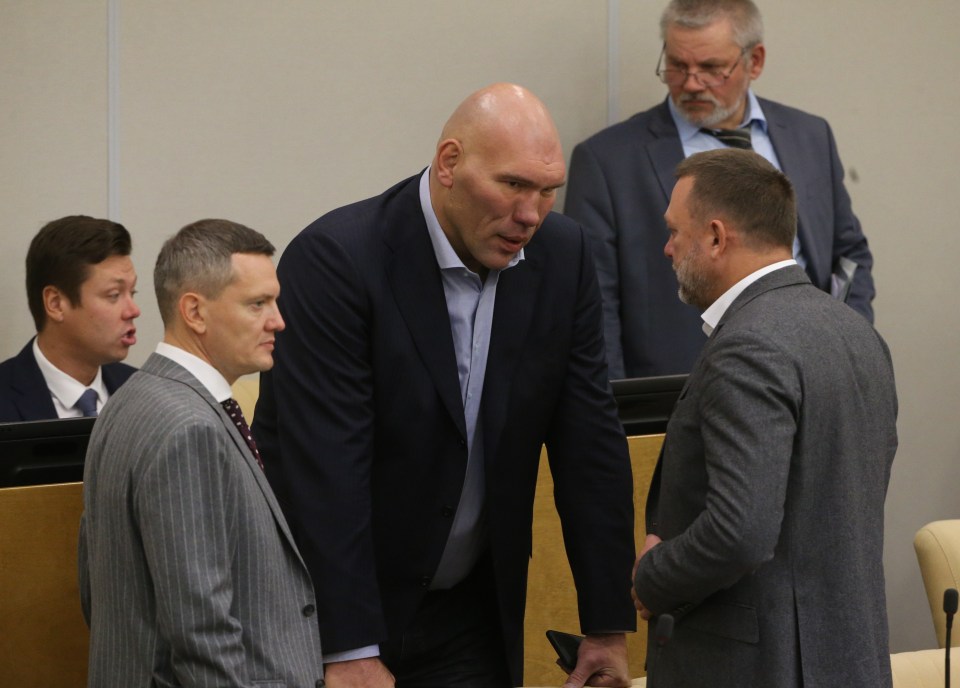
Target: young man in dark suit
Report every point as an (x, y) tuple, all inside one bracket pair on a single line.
[(80, 288), (620, 182), (437, 336), (765, 515)]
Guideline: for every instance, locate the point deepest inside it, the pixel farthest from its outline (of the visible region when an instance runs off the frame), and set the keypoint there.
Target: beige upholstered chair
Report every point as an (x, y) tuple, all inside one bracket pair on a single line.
[(922, 669), (938, 552)]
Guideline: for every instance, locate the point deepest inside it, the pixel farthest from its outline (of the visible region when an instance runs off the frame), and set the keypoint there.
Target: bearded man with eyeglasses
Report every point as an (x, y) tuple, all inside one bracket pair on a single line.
[(621, 178)]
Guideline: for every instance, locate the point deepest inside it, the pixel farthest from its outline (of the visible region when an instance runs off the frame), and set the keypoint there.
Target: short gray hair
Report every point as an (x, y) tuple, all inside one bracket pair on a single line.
[(198, 259), (695, 14)]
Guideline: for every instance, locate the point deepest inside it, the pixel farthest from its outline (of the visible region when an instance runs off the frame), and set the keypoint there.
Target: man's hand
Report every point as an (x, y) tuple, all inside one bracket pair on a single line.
[(358, 673), (648, 544), (601, 661)]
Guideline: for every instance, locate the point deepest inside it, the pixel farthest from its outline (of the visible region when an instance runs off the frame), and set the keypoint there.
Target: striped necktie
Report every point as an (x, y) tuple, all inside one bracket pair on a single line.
[(735, 138)]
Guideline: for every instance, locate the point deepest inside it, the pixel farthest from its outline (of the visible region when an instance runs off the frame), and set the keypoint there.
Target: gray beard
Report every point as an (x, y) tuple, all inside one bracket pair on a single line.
[(693, 283), (710, 121)]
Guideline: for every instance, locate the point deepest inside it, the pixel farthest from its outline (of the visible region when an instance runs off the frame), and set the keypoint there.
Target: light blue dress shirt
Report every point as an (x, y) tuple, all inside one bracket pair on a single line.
[(470, 303), (695, 141)]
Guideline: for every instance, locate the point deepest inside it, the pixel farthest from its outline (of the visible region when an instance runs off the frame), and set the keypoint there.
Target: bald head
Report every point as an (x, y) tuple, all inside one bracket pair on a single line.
[(502, 110), (495, 174)]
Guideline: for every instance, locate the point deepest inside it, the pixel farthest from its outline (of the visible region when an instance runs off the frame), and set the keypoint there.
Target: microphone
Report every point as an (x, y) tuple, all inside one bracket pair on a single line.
[(950, 597)]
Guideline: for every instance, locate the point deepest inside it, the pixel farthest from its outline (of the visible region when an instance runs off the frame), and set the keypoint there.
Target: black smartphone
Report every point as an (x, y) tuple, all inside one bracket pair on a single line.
[(567, 645)]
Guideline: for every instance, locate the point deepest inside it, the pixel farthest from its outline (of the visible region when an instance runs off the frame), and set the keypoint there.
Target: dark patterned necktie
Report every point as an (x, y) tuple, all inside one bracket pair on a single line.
[(87, 403), (735, 138), (236, 415)]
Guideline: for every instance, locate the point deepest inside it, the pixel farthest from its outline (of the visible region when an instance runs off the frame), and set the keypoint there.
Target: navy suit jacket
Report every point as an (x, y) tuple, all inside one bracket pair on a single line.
[(23, 391), (361, 423), (619, 188)]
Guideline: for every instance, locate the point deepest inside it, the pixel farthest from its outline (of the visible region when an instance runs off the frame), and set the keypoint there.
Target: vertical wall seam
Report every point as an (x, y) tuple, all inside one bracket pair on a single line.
[(113, 110), (613, 61)]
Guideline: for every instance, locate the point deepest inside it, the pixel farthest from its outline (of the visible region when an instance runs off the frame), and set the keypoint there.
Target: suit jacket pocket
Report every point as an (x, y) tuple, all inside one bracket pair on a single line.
[(725, 619)]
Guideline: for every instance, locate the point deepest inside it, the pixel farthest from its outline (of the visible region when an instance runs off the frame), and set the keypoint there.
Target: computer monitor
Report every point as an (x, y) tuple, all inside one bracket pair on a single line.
[(43, 452), (645, 403)]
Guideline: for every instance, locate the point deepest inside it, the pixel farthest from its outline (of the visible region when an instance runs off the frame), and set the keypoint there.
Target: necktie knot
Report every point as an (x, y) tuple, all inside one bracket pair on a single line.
[(87, 403), (735, 138), (236, 415)]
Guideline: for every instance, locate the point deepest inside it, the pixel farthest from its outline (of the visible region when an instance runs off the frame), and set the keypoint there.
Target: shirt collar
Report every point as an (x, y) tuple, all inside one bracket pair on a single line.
[(686, 130), (447, 258), (209, 377), (65, 388), (711, 317)]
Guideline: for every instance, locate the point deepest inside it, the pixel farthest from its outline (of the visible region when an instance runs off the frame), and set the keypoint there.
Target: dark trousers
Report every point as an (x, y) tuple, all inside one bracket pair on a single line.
[(454, 640)]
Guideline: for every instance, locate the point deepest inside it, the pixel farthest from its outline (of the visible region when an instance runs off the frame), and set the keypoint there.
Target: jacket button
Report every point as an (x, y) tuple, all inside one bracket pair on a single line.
[(309, 610), (425, 581), (320, 683), (447, 511), (462, 443)]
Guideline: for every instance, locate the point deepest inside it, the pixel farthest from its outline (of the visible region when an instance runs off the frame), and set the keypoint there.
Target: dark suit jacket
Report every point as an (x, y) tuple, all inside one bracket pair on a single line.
[(619, 188), (769, 498), (188, 573), (23, 391), (362, 429)]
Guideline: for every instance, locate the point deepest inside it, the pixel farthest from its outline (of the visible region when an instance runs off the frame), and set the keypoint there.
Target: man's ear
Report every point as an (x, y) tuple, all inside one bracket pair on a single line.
[(54, 303), (449, 155), (755, 61), (192, 309), (719, 238)]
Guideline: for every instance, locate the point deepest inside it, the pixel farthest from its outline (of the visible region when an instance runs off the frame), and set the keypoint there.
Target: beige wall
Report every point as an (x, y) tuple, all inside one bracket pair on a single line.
[(273, 113)]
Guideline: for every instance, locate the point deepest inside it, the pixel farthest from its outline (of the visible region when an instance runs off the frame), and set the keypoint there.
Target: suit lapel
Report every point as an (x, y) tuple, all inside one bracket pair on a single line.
[(112, 377), (665, 150), (164, 367), (513, 311), (791, 154), (33, 400), (417, 288)]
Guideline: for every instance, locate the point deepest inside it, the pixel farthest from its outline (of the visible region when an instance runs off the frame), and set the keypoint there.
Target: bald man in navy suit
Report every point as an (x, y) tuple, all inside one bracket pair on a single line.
[(438, 336)]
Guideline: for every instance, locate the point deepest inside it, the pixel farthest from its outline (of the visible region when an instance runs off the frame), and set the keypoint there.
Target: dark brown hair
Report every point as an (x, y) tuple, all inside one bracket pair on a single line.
[(61, 254)]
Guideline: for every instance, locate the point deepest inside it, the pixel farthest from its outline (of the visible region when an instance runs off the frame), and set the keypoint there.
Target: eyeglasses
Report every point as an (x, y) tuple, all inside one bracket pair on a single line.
[(708, 78)]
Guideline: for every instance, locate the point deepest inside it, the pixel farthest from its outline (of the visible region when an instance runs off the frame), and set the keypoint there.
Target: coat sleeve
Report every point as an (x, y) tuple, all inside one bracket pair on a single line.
[(590, 464)]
